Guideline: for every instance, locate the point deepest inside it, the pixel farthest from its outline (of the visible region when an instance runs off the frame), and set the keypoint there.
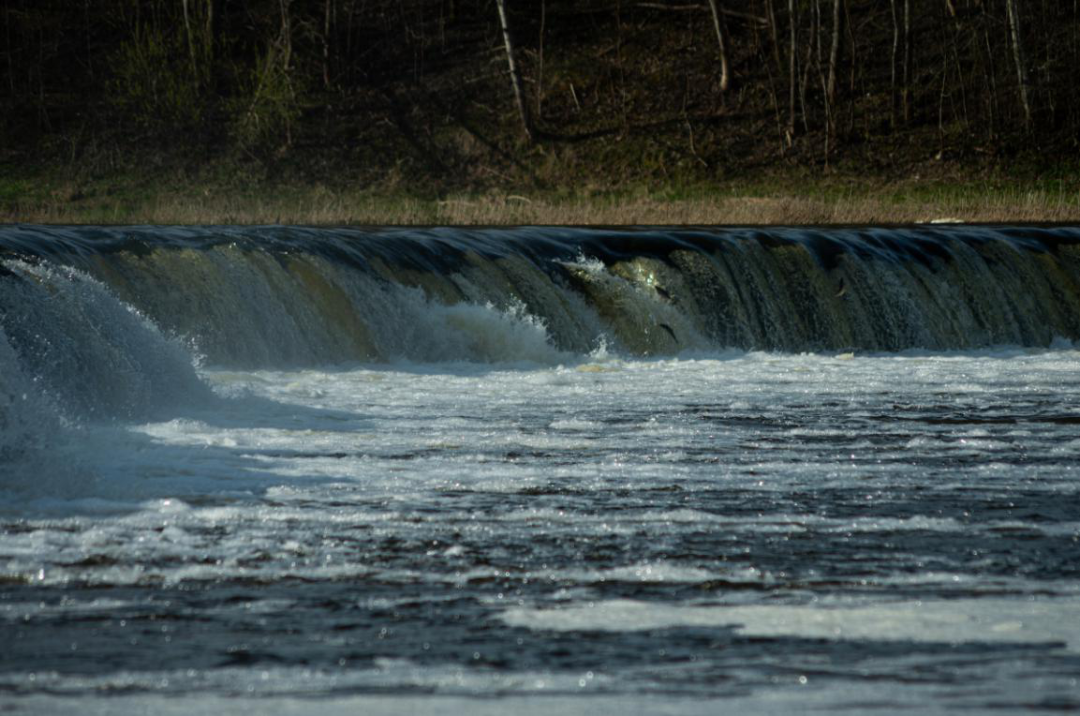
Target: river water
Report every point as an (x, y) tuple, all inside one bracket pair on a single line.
[(281, 471)]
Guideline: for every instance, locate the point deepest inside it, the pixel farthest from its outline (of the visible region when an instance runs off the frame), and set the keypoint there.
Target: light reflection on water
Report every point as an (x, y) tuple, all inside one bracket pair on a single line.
[(776, 531)]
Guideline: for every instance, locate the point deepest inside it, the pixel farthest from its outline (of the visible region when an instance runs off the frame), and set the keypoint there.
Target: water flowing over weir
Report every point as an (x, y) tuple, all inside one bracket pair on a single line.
[(277, 296), (537, 470)]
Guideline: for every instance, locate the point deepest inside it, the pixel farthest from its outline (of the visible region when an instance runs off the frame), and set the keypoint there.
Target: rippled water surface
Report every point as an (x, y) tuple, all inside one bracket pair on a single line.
[(755, 531)]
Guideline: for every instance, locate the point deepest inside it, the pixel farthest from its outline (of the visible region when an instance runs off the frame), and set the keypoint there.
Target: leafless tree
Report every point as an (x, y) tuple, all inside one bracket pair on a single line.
[(723, 42), (515, 75), (1018, 58)]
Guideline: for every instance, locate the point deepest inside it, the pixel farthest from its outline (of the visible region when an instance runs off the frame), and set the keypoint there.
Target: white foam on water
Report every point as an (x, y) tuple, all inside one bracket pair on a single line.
[(658, 572), (817, 699), (558, 452), (262, 484), (76, 363), (958, 621), (93, 357)]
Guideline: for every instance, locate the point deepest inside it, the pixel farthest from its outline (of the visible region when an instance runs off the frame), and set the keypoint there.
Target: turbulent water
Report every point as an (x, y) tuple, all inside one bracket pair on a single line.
[(288, 470)]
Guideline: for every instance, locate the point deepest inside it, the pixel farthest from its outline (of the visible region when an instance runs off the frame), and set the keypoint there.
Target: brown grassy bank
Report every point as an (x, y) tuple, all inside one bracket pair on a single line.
[(320, 206)]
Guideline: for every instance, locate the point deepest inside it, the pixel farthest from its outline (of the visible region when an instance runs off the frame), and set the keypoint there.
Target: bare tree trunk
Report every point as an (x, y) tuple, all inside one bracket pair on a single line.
[(818, 28), (1018, 58), (808, 64), (190, 38), (942, 93), (10, 50), (854, 77), (86, 39), (515, 76), (199, 31), (991, 81), (540, 61), (774, 34), (834, 52), (793, 70), (722, 41), (905, 91), (776, 110), (327, 16), (894, 102), (1048, 61), (286, 60), (42, 106), (1075, 61), (347, 69), (210, 36), (961, 76), (286, 35)]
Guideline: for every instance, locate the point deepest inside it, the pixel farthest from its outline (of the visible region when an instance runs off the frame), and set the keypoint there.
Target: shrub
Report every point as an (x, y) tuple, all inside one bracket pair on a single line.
[(156, 84), (267, 108)]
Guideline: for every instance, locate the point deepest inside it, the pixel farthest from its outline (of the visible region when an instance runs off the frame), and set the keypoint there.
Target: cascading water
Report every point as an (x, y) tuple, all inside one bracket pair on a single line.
[(276, 297), (91, 355), (72, 355), (580, 470)]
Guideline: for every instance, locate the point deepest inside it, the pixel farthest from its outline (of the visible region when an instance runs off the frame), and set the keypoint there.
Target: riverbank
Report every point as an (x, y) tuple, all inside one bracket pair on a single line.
[(628, 115), (835, 201)]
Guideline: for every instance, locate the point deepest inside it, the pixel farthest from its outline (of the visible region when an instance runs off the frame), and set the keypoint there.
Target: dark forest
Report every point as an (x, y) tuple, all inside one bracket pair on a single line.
[(432, 95)]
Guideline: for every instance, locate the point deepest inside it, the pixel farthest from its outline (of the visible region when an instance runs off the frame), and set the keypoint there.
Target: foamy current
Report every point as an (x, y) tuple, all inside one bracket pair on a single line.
[(889, 529), (485, 507)]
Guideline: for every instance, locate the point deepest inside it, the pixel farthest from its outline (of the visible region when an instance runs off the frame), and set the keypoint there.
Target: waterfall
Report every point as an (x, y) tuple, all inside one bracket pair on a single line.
[(77, 299)]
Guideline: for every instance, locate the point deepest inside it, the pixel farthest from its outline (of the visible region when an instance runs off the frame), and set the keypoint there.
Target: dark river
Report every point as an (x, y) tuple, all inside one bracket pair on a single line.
[(285, 470)]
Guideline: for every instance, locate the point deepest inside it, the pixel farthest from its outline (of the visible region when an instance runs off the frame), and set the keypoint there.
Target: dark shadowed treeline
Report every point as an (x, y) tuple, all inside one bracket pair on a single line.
[(542, 90)]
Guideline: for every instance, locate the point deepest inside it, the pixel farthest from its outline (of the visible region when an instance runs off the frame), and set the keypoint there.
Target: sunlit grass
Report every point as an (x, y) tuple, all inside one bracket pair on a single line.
[(755, 204)]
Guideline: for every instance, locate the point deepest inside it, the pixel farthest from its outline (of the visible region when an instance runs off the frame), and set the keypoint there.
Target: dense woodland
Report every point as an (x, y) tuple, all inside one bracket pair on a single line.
[(451, 93)]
